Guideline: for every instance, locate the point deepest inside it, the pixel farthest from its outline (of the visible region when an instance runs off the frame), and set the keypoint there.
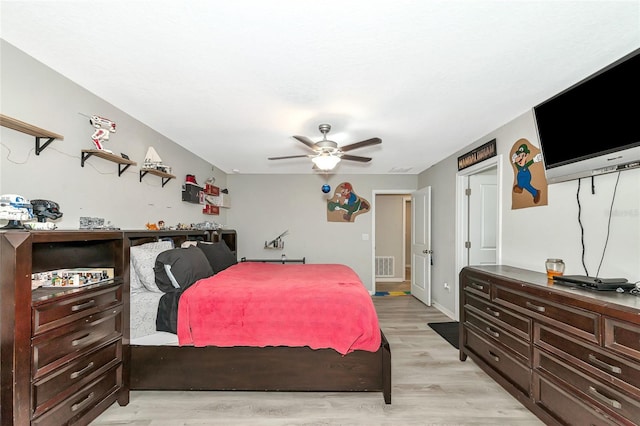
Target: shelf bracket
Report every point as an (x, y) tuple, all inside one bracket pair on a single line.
[(40, 148), (85, 156), (122, 168), (143, 173)]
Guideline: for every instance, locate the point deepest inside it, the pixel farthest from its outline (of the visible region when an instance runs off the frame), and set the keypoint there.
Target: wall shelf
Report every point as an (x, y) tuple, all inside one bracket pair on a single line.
[(32, 130), (123, 163), (166, 177), (211, 190), (212, 210)]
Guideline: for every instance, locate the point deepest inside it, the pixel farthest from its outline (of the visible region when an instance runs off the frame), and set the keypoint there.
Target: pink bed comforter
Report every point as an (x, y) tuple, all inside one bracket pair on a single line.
[(264, 304)]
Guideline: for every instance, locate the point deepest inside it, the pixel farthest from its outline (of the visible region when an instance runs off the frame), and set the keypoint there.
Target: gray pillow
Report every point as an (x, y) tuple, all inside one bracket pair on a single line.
[(142, 261), (177, 269), (219, 255)]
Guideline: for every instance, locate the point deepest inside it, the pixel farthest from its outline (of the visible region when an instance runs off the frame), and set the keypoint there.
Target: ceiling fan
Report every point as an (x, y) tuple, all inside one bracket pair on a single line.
[(327, 154)]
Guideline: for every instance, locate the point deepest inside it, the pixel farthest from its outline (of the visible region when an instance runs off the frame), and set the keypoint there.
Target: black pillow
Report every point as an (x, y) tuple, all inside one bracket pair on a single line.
[(177, 269), (167, 317), (219, 255)]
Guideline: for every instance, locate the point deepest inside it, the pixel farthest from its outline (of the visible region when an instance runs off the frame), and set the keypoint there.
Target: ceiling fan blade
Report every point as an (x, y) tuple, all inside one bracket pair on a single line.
[(288, 156), (355, 158), (361, 144), (305, 140)]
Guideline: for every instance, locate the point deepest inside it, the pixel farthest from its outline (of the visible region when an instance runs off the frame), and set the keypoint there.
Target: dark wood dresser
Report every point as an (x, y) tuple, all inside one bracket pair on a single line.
[(62, 348), (571, 356)]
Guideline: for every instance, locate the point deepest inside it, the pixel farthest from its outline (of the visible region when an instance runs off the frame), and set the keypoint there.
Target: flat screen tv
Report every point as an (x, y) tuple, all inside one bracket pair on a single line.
[(593, 127)]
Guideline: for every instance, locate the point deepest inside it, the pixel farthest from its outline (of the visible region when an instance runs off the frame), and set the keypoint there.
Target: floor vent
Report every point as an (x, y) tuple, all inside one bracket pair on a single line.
[(385, 266)]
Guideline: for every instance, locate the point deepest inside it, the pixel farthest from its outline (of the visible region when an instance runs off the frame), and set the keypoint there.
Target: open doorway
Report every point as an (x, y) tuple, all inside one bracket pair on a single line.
[(391, 240)]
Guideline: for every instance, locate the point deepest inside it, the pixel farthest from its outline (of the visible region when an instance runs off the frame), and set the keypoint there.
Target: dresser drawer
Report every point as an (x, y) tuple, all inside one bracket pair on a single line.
[(565, 407), (476, 285), (622, 337), (73, 408), (50, 350), (600, 394), (53, 388), (585, 324), (604, 364), (516, 324), (62, 310), (493, 331), (500, 360)]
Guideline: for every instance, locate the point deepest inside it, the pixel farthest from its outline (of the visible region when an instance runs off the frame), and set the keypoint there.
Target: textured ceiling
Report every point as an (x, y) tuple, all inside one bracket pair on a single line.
[(232, 81)]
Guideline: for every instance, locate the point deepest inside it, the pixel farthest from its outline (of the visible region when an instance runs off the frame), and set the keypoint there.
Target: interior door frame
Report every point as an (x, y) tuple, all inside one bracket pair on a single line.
[(462, 219), (375, 192)]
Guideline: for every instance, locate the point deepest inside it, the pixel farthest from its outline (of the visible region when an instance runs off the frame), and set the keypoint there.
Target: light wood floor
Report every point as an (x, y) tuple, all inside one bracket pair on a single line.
[(430, 386)]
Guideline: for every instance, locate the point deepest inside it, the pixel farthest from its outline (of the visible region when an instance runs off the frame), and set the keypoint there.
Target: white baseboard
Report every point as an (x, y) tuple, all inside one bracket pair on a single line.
[(390, 280), (444, 310)]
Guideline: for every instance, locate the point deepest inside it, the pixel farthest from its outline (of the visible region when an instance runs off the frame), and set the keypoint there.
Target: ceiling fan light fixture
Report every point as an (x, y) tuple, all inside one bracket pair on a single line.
[(326, 161)]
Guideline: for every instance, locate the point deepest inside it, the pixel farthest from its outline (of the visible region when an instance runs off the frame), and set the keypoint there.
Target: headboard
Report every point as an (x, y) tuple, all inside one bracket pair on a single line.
[(135, 238)]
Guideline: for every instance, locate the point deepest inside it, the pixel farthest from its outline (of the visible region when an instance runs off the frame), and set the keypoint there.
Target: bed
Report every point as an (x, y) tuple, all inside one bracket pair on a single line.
[(158, 361)]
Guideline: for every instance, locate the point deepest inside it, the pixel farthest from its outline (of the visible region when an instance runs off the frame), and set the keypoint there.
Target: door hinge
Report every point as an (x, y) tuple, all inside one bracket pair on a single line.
[(467, 244), (467, 192)]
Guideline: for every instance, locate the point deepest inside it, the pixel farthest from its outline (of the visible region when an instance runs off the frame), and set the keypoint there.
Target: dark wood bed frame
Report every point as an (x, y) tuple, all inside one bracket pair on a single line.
[(250, 368)]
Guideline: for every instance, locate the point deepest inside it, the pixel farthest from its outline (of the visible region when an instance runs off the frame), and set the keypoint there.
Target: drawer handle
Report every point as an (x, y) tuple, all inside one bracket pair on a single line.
[(492, 332), (612, 402), (79, 405), (79, 340), (535, 307), (493, 312), (82, 306), (495, 357), (76, 374), (604, 365), (477, 286)]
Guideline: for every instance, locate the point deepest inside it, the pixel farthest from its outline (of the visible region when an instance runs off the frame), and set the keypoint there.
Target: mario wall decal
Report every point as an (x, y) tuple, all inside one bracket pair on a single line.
[(346, 205), (529, 181)]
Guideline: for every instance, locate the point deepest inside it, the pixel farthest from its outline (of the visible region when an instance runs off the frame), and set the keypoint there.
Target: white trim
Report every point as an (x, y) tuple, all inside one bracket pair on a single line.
[(462, 221), (444, 310)]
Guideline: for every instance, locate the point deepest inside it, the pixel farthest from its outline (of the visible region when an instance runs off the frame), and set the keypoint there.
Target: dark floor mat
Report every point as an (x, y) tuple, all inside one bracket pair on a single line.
[(448, 331)]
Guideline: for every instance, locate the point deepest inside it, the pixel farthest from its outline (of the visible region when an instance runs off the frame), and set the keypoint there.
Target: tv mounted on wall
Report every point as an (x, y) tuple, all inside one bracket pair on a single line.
[(593, 127)]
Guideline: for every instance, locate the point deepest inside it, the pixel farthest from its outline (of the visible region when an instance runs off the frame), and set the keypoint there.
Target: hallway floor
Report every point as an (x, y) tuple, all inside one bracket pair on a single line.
[(396, 286)]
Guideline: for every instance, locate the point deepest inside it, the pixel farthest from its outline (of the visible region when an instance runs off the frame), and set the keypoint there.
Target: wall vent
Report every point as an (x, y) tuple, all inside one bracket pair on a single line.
[(385, 266)]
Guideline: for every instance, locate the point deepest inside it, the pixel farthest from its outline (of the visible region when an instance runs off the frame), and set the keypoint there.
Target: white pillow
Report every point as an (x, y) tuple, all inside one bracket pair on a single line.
[(143, 259), (188, 244)]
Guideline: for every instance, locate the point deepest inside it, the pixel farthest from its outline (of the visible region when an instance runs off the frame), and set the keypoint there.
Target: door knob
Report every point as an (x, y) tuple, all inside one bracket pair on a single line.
[(427, 251)]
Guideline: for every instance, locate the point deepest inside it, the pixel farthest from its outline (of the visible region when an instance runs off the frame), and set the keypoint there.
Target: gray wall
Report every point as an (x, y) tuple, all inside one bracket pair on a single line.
[(263, 206), (531, 235), (33, 93)]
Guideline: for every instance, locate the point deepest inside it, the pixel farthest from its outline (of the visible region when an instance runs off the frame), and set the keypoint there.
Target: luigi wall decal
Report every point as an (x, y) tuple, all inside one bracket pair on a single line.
[(529, 181), (346, 205)]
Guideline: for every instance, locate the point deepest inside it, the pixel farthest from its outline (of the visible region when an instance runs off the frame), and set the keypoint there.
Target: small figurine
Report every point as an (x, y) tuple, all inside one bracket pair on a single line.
[(104, 127), (151, 226), (153, 161), (277, 242), (46, 209), (43, 210), (15, 209)]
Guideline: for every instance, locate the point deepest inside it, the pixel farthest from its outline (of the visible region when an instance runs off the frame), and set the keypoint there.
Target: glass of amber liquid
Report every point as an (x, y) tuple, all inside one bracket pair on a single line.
[(555, 267)]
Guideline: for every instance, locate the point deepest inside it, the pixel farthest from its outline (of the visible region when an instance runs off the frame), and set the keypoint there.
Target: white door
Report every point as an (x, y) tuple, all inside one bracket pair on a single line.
[(421, 245), (483, 218)]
